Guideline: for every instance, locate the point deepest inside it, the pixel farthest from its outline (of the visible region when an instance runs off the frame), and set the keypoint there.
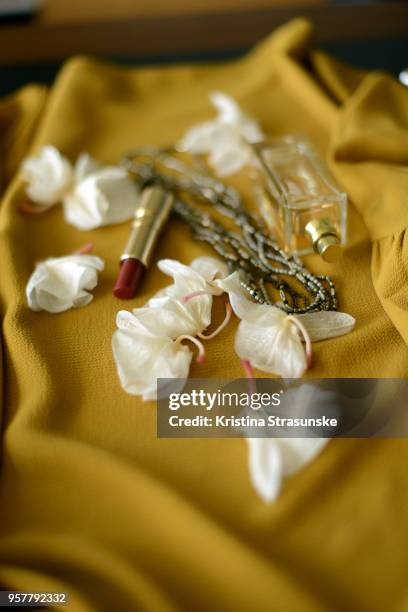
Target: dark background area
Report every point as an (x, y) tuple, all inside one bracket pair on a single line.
[(371, 35)]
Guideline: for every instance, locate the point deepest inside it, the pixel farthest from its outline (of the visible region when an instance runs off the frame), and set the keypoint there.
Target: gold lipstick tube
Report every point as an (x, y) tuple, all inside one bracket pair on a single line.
[(150, 216)]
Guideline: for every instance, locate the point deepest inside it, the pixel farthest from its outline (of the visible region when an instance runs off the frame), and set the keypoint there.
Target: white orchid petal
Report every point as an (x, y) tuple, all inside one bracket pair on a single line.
[(48, 176), (197, 277), (60, 283), (172, 318), (241, 305), (200, 138), (201, 276), (140, 361), (272, 460), (210, 268), (127, 321), (252, 134), (276, 349), (327, 324), (265, 467), (105, 197), (245, 308), (178, 271), (229, 159), (228, 109), (197, 312), (225, 138), (84, 166), (230, 113), (265, 336)]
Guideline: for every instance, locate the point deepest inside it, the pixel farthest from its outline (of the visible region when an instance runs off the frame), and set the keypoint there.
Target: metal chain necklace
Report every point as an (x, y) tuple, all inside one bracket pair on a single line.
[(248, 248)]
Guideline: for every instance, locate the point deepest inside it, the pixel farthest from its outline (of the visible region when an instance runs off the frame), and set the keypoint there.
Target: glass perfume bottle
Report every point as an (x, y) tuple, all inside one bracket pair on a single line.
[(299, 201)]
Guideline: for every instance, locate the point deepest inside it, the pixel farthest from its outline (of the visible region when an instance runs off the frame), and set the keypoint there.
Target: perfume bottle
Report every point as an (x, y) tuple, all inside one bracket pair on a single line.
[(299, 201)]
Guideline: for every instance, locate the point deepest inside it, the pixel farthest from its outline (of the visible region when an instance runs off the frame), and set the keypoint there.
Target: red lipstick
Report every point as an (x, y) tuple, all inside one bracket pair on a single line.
[(150, 216)]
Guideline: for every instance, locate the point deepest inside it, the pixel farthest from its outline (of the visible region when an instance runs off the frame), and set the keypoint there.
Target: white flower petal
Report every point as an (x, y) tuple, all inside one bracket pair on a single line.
[(271, 460), (210, 268), (241, 305), (60, 283), (244, 308), (105, 197), (187, 280), (276, 349), (228, 109), (200, 139), (265, 467), (179, 318), (127, 321), (170, 317), (230, 158), (229, 112), (140, 361), (225, 139), (48, 176), (327, 324), (197, 277), (84, 166), (180, 272), (265, 336)]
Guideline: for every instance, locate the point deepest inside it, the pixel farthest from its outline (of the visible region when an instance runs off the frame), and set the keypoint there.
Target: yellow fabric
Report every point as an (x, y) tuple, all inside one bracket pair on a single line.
[(90, 501)]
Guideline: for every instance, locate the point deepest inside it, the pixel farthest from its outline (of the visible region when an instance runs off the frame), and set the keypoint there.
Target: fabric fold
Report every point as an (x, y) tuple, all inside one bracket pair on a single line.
[(19, 116)]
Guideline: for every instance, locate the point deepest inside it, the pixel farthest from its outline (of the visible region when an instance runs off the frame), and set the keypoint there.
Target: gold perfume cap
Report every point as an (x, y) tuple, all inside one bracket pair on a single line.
[(325, 239)]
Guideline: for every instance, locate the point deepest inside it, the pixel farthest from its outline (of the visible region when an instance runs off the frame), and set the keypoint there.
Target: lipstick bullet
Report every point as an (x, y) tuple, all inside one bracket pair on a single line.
[(150, 216)]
